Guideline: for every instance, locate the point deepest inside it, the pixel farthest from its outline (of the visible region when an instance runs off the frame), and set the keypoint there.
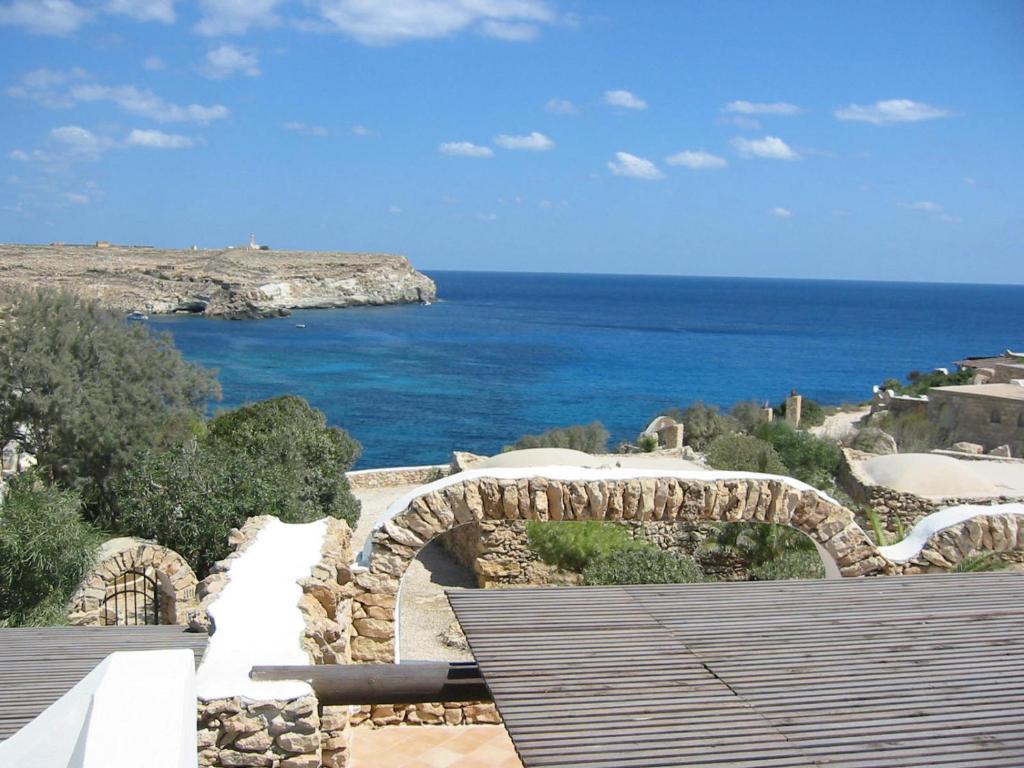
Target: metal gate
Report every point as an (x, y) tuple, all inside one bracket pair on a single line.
[(134, 601)]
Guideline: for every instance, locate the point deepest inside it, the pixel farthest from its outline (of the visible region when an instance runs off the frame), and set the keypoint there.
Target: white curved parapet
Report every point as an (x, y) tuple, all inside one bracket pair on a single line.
[(256, 617), (135, 708), (936, 522), (570, 474)]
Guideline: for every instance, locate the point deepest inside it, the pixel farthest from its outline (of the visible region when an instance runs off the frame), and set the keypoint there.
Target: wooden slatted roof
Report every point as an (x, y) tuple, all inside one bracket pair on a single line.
[(38, 665), (861, 673)]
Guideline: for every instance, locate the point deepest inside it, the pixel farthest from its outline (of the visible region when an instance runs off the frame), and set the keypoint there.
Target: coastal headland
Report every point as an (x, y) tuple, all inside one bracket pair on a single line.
[(232, 283)]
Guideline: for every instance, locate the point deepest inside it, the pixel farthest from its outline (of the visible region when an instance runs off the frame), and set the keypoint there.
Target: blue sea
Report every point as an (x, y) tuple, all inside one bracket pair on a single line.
[(504, 354)]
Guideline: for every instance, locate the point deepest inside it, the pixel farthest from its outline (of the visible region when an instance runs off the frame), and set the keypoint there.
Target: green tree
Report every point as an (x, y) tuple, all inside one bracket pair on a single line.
[(812, 413), (276, 457), (86, 392), (572, 544), (589, 438), (45, 550), (744, 453)]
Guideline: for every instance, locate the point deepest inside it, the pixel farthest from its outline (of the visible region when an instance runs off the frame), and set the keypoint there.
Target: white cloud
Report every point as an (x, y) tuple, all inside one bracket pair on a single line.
[(153, 63), (634, 167), (561, 107), (513, 32), (891, 111), (383, 22), (361, 130), (79, 141), (741, 121), (59, 18), (227, 61), (394, 209), (770, 147), (235, 17), (159, 140), (143, 10), (306, 130), (464, 149), (696, 159), (534, 141), (487, 216), (146, 104), (922, 205), (624, 99), (780, 212), (77, 198), (751, 108), (970, 181), (948, 217), (19, 154), (46, 87)]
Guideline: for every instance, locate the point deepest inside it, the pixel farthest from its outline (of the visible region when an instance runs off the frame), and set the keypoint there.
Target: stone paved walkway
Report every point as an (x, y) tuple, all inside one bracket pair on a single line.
[(434, 746)]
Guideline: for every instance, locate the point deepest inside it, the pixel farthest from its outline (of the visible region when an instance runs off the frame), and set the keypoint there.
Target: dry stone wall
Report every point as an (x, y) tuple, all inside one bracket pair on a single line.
[(294, 733), (1001, 534), (898, 511), (93, 603), (688, 498), (386, 478)]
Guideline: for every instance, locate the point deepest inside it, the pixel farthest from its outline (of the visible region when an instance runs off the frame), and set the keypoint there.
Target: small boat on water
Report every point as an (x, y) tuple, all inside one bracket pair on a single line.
[(300, 325), (136, 316)]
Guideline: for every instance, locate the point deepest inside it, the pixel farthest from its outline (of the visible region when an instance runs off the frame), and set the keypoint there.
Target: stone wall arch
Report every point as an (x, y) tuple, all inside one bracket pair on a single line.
[(175, 579), (561, 493)]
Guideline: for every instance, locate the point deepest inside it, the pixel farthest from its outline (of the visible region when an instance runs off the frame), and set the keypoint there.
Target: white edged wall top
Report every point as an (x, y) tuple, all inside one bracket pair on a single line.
[(256, 617), (926, 527)]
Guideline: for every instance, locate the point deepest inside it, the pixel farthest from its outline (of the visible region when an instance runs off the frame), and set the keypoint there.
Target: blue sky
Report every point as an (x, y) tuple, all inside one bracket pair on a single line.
[(790, 139)]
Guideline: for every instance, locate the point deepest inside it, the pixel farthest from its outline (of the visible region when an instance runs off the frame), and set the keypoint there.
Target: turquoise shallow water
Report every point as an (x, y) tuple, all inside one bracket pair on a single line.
[(504, 354)]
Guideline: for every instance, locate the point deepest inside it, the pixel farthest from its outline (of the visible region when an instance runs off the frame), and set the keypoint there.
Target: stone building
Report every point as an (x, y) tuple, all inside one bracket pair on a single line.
[(989, 414)]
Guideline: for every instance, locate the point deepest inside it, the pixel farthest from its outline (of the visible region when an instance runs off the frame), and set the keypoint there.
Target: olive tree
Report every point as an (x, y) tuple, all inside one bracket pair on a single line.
[(86, 392)]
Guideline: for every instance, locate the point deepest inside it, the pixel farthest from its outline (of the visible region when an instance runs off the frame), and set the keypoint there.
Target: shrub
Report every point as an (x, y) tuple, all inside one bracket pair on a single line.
[(812, 413), (702, 423), (45, 550), (808, 458), (272, 458), (744, 453), (648, 443), (912, 430), (573, 544), (985, 561), (790, 565), (747, 414), (919, 382), (759, 544), (85, 393), (589, 438), (647, 565)]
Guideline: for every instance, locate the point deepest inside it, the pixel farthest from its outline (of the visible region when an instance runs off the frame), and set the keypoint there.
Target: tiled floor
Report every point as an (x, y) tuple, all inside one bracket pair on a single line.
[(434, 746)]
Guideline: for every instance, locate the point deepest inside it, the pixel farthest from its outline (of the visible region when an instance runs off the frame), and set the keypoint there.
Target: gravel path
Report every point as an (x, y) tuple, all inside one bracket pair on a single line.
[(839, 425), (424, 610)]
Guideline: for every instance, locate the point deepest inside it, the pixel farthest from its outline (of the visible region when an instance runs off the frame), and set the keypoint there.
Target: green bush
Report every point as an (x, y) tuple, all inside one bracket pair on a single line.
[(86, 393), (648, 443), (272, 458), (744, 453), (573, 544), (808, 458), (912, 430), (985, 561), (759, 544), (702, 423), (790, 565), (647, 565), (45, 550), (919, 382), (747, 414), (589, 438), (812, 414)]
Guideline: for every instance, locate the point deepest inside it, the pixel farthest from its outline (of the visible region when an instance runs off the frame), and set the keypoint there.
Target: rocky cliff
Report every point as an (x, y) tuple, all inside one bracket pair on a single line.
[(234, 283)]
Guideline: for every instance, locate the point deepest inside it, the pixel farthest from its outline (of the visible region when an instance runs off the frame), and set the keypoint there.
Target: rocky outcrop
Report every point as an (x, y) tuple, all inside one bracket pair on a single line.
[(233, 283)]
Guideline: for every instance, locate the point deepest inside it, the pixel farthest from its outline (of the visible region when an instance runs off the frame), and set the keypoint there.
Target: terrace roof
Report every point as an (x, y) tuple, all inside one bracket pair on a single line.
[(901, 671), (38, 665)]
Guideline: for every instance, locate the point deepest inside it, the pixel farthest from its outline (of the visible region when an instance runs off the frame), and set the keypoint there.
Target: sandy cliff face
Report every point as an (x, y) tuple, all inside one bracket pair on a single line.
[(230, 283)]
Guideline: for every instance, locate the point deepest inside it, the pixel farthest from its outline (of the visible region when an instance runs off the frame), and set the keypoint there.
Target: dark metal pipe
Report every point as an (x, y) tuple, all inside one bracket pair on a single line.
[(408, 683)]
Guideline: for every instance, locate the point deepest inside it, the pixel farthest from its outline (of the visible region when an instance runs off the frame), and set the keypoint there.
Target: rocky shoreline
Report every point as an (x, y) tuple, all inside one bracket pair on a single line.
[(233, 283)]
